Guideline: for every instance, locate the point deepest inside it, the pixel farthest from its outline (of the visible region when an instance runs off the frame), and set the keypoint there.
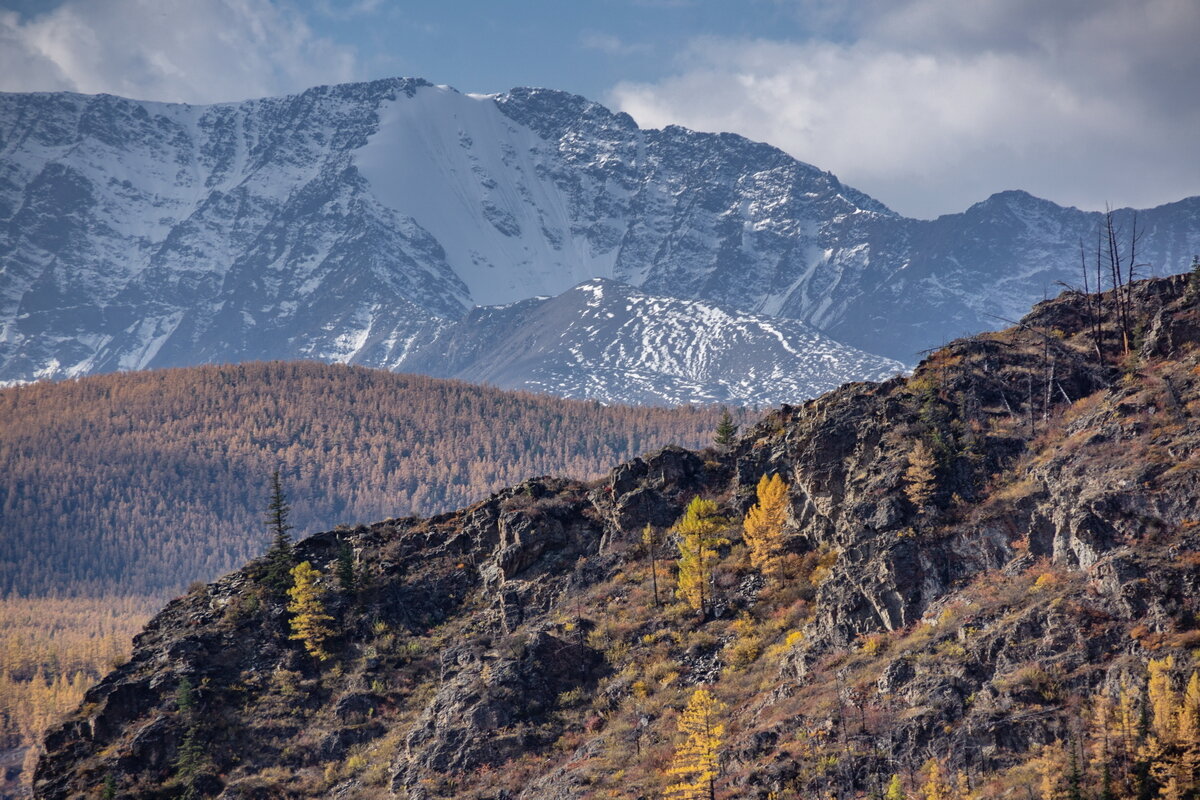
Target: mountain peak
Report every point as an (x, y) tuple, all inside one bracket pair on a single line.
[(348, 222)]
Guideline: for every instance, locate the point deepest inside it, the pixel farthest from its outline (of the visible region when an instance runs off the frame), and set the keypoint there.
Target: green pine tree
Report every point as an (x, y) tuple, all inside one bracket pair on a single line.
[(281, 556), (189, 757), (347, 576), (185, 697), (727, 430), (1074, 775)]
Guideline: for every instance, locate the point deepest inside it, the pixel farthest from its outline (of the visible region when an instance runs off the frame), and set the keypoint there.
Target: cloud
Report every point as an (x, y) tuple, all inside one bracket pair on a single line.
[(933, 104), (194, 51)]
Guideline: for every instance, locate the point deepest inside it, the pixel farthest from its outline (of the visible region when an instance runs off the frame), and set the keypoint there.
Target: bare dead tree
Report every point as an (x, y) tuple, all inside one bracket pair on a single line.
[(1092, 304), (1099, 302), (1115, 272)]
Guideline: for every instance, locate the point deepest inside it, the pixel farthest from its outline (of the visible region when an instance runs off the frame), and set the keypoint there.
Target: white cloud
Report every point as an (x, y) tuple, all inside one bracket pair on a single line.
[(193, 51), (933, 104)]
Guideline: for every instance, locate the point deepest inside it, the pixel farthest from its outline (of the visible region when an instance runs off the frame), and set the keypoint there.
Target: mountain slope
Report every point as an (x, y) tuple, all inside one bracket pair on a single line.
[(346, 222), (987, 612), (144, 482), (606, 341)]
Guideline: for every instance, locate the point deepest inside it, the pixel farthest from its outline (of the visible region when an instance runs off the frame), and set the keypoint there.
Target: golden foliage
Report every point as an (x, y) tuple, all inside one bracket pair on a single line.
[(920, 479), (694, 766), (697, 530), (51, 651), (895, 790), (936, 787), (310, 623), (1052, 769), (1163, 701), (763, 524), (159, 478)]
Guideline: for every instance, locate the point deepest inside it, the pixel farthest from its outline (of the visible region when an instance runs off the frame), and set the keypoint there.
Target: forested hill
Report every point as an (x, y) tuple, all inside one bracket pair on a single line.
[(981, 582), (143, 482)]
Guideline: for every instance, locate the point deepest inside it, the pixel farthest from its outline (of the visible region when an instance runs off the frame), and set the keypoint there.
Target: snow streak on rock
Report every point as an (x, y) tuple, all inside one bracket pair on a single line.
[(608, 341)]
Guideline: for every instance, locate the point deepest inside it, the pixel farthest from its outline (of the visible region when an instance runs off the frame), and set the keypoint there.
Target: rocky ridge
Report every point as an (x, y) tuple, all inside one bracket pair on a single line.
[(514, 649)]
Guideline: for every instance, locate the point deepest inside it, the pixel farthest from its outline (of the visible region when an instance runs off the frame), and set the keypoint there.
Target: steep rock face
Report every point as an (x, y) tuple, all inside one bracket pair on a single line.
[(347, 222), (514, 649)]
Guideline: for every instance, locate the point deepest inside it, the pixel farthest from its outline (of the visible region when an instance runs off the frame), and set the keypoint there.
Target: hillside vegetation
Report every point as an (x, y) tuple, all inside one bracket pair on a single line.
[(116, 491), (51, 651), (142, 482), (977, 582)]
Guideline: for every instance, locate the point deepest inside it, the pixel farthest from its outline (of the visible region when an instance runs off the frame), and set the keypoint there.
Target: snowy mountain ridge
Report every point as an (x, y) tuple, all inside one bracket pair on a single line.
[(607, 341), (353, 223)]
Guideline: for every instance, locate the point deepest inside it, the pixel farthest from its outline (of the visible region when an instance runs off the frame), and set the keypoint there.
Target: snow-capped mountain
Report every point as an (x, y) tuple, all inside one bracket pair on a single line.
[(610, 342), (350, 223)]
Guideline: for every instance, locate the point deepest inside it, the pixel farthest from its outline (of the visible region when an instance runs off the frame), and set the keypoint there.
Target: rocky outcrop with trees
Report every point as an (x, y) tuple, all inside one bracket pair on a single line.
[(984, 584)]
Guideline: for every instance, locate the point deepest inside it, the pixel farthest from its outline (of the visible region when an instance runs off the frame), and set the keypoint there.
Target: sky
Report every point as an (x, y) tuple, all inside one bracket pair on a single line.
[(927, 105)]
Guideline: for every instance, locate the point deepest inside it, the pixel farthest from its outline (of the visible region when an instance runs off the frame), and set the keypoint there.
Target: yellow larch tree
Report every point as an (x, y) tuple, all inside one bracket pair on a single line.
[(962, 787), (1053, 770), (936, 786), (920, 479), (697, 530), (694, 766), (310, 623), (1101, 740), (1163, 701), (1163, 705), (1127, 726), (1189, 735), (763, 524), (895, 790), (1173, 748)]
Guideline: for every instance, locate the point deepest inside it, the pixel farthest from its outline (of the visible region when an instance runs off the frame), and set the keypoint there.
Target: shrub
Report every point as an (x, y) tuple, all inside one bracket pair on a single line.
[(743, 652)]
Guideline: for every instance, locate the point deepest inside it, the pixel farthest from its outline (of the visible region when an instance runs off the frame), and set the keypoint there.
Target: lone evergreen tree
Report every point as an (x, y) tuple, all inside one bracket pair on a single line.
[(347, 577), (727, 430), (189, 757), (1193, 284), (280, 556)]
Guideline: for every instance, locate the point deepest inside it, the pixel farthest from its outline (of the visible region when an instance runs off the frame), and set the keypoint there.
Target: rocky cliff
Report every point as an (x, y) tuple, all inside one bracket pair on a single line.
[(975, 557)]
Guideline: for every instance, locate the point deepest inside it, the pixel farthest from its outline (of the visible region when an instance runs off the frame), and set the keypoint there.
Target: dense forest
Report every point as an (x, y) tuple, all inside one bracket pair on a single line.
[(140, 483)]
